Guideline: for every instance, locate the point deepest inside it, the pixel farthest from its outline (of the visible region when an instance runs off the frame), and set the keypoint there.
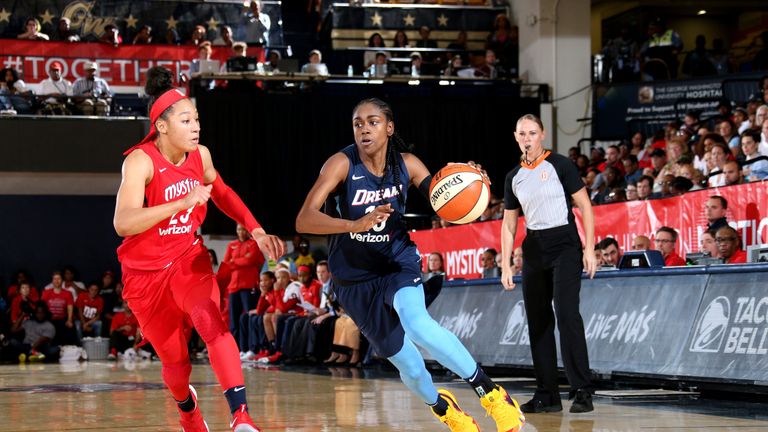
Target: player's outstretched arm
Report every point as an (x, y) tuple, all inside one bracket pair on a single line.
[(131, 217), (230, 203), (311, 220)]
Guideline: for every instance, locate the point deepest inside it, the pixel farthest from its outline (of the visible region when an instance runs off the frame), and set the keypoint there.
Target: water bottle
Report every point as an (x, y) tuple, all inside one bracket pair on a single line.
[(350, 71)]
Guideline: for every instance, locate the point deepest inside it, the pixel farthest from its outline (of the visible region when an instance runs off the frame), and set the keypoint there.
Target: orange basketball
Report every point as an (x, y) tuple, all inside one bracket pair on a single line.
[(459, 193)]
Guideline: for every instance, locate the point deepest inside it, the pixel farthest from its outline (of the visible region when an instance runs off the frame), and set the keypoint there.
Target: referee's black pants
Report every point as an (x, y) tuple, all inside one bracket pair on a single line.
[(552, 266)]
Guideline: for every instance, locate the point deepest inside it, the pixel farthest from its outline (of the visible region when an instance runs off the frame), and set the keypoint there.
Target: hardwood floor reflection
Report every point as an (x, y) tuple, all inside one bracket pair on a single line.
[(107, 396)]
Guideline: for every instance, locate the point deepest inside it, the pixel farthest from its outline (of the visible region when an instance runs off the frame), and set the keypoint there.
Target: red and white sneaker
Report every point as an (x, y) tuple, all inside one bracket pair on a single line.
[(262, 354), (274, 358), (253, 357), (193, 421), (242, 422)]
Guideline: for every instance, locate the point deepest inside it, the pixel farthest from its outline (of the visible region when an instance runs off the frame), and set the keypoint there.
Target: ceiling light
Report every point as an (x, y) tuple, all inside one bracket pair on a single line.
[(701, 12)]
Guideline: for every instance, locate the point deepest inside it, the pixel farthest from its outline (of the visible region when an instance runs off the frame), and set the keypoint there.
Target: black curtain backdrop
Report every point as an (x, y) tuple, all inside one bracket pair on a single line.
[(270, 146), (43, 233)]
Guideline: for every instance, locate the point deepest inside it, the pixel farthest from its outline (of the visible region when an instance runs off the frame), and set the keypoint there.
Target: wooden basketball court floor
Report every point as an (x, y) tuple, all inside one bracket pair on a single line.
[(102, 396)]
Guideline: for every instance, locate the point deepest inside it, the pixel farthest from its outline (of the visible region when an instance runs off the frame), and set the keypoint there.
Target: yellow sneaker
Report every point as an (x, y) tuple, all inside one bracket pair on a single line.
[(504, 410), (456, 419)]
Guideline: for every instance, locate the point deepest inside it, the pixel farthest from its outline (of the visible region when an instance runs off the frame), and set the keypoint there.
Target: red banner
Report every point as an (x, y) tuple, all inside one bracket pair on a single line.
[(119, 66), (462, 245)]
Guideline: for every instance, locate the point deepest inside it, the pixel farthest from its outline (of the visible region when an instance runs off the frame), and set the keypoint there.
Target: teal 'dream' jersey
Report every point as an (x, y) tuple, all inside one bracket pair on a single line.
[(357, 257)]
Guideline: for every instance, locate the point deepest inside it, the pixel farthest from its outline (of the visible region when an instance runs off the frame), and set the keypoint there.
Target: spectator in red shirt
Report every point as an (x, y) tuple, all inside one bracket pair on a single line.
[(123, 332), (253, 340), (290, 307), (60, 303), (13, 290), (279, 307), (111, 35), (612, 158), (89, 306), (287, 299), (666, 241), (311, 290), (295, 329), (729, 246), (57, 280), (22, 304), (244, 259)]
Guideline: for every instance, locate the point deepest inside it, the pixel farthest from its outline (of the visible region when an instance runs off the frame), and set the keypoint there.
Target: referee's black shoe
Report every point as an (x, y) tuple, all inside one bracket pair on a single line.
[(535, 406), (582, 402)]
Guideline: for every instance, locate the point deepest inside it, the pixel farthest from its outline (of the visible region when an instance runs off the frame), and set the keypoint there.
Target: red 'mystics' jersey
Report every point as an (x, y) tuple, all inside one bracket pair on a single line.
[(157, 247)]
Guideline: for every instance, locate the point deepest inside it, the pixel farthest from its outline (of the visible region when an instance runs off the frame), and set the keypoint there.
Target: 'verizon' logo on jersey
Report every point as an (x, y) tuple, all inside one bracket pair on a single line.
[(180, 188), (365, 197), (369, 238), (174, 229)]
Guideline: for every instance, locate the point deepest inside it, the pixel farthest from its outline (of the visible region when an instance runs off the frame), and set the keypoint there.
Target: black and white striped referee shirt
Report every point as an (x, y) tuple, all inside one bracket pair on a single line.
[(543, 191)]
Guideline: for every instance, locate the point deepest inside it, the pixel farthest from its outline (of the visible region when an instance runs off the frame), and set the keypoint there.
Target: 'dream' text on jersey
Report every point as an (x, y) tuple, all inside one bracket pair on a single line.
[(365, 197)]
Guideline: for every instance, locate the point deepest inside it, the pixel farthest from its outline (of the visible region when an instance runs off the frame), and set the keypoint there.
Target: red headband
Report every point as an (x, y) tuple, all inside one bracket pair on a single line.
[(305, 268), (161, 104)]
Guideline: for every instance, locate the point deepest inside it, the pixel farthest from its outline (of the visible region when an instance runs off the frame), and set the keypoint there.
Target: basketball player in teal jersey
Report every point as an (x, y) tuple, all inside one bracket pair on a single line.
[(377, 269)]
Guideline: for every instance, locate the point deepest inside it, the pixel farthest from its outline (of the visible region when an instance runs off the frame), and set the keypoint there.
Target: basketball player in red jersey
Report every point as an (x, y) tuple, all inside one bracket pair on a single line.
[(169, 283)]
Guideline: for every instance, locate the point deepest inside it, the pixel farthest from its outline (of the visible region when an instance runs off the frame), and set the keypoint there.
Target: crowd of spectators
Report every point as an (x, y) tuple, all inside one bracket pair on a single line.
[(728, 149), (498, 58), (36, 322), (88, 95), (91, 95), (693, 154), (252, 27)]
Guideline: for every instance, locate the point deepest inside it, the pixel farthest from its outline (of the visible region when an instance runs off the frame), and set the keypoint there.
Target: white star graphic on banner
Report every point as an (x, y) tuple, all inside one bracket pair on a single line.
[(130, 22), (171, 22), (376, 19), (442, 20), (409, 20), (213, 24), (47, 17), (4, 15)]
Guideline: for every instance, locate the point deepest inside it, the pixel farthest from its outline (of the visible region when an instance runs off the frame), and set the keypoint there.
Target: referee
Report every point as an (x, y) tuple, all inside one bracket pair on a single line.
[(542, 187)]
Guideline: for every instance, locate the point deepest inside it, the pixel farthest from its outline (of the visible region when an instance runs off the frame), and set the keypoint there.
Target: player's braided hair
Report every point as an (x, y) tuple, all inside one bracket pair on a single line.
[(395, 144)]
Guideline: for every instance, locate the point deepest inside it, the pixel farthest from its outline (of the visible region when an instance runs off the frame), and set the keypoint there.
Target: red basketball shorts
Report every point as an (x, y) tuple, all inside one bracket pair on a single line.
[(161, 300)]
